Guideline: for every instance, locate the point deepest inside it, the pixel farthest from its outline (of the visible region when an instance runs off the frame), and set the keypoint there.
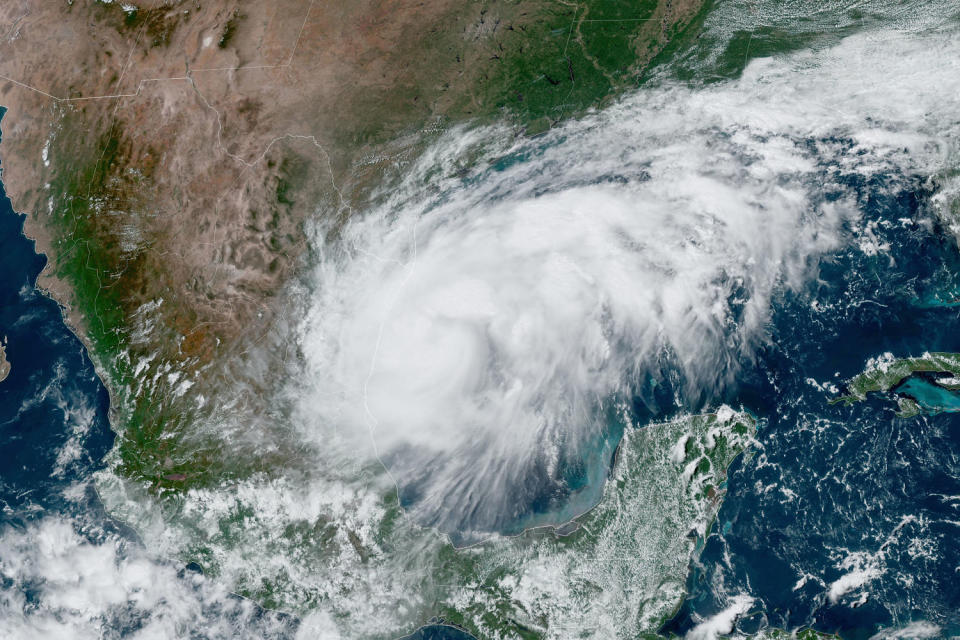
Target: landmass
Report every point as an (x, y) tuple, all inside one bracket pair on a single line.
[(803, 634), (617, 571), (886, 373), (174, 157), (4, 363)]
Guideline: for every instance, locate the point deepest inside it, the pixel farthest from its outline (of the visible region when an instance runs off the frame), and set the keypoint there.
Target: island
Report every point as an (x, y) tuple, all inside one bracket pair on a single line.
[(177, 159), (926, 383), (4, 363)]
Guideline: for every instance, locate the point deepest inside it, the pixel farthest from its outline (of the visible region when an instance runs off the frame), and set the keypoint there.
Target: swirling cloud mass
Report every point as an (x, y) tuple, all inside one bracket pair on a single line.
[(486, 329)]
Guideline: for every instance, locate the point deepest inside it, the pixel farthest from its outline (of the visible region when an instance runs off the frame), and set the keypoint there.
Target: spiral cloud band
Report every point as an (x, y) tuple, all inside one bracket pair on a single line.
[(483, 329)]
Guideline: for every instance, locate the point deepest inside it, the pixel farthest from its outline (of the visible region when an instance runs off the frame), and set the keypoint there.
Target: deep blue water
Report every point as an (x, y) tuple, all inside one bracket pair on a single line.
[(52, 393), (830, 480), (53, 401)]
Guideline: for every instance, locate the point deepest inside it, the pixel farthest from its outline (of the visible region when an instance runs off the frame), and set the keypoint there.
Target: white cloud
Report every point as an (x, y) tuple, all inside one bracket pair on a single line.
[(913, 631), (721, 623), (56, 582), (476, 329), (860, 568)]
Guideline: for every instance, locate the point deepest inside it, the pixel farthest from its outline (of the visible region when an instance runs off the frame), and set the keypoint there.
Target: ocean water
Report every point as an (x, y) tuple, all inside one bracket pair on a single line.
[(929, 395), (65, 565), (53, 408), (834, 490), (847, 519)]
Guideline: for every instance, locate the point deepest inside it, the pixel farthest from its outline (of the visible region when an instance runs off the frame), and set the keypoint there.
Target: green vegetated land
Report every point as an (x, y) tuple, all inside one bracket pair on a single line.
[(624, 562), (658, 507), (562, 59), (566, 58), (93, 195), (545, 62), (534, 63), (885, 373)]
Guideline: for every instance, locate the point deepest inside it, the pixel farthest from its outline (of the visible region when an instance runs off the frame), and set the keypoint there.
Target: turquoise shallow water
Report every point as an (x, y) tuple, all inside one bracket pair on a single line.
[(928, 394), (833, 481), (828, 480), (839, 473), (856, 459)]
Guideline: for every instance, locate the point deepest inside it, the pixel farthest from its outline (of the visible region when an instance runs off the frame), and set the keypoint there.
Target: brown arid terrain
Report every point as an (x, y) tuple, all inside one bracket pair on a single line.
[(171, 155)]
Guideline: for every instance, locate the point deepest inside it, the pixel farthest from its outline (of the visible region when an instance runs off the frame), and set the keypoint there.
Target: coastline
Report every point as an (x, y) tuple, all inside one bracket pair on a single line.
[(4, 363)]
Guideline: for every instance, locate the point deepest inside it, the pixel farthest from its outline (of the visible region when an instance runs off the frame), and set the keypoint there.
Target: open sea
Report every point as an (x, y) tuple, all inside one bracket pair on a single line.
[(848, 490), (53, 408), (834, 491), (54, 434)]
